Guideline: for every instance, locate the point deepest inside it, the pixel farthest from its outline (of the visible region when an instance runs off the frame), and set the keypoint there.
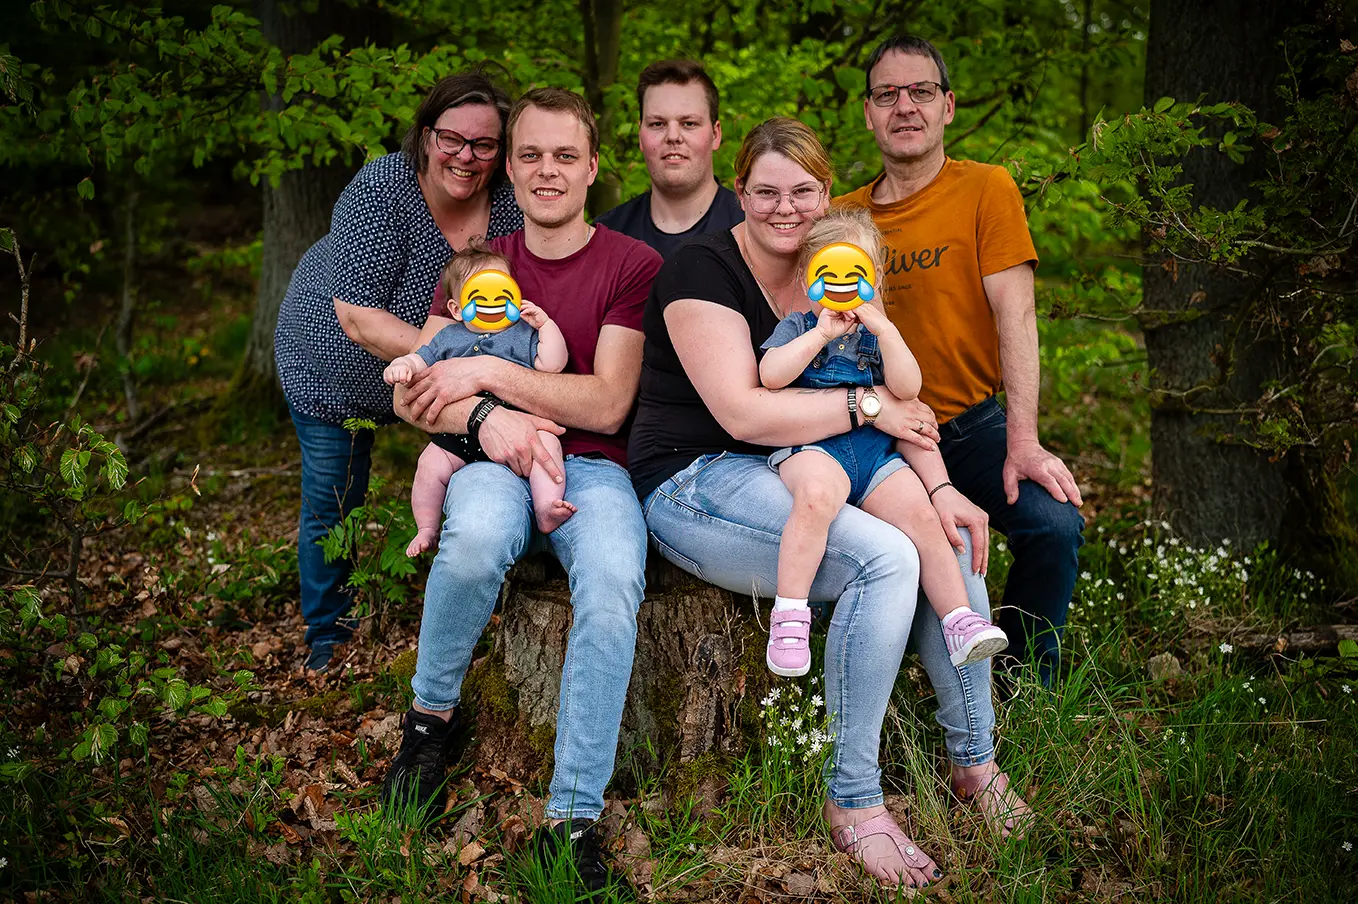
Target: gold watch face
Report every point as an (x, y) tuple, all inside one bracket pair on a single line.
[(871, 406)]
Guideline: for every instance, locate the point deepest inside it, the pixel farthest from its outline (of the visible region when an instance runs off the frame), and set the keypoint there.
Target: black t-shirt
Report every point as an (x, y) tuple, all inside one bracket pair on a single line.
[(673, 425), (634, 218)]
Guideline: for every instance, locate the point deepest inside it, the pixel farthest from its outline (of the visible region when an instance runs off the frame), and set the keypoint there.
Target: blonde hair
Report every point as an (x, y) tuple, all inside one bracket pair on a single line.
[(476, 257), (789, 137), (853, 225)]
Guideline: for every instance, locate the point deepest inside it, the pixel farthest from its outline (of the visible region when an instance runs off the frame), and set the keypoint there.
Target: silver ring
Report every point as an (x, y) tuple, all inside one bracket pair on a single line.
[(920, 428)]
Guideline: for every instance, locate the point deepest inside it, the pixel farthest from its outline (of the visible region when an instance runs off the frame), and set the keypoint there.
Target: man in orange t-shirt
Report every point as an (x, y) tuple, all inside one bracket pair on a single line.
[(959, 285)]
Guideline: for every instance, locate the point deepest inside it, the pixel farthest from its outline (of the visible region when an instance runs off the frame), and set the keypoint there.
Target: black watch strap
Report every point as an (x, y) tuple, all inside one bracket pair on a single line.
[(853, 408), (478, 417)]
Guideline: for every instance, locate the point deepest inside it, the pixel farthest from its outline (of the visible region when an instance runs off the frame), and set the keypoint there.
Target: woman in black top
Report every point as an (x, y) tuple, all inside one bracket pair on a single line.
[(703, 431)]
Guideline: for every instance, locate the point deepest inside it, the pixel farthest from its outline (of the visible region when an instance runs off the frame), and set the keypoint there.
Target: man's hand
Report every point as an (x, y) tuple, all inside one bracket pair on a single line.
[(533, 315), (443, 382), (956, 510), (1029, 460), (511, 438)]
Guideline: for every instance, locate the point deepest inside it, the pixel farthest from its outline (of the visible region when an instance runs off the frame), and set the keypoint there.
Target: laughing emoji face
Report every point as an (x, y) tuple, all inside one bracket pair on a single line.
[(841, 277), (490, 300)]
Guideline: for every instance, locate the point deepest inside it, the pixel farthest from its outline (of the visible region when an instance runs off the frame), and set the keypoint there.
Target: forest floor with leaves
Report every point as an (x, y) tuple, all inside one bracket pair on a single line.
[(1172, 762)]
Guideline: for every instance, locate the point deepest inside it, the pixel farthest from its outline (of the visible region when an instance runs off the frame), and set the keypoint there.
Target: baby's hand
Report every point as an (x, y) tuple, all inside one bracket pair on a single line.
[(833, 324), (874, 319), (537, 318), (398, 371)]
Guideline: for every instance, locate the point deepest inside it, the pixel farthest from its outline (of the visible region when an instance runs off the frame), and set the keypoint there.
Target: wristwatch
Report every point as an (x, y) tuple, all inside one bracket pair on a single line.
[(870, 405)]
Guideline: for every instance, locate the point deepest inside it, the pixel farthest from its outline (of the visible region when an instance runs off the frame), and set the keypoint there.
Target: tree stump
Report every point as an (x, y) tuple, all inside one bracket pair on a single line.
[(699, 655)]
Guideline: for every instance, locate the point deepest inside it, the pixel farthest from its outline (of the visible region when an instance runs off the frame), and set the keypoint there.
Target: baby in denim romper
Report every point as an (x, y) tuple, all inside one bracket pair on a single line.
[(879, 480), (534, 341)]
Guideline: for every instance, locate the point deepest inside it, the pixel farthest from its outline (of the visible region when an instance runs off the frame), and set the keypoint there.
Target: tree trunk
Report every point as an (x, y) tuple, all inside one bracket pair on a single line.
[(1209, 487), (699, 654), (127, 309), (297, 212), (603, 42)]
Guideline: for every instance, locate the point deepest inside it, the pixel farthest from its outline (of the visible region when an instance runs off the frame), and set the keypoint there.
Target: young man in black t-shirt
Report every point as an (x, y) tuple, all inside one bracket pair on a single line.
[(680, 131)]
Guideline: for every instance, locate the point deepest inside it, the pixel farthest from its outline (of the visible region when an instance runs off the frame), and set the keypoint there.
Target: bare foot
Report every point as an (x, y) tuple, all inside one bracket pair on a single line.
[(553, 515), (987, 789), (426, 538), (882, 849)]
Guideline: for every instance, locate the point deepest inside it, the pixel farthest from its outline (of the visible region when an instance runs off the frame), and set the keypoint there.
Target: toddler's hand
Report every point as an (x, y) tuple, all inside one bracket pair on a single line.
[(398, 371), (833, 324), (874, 319), (535, 316)]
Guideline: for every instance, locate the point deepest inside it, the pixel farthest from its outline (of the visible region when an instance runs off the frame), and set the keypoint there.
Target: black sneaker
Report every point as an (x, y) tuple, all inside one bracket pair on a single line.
[(416, 780), (579, 840), (319, 655)]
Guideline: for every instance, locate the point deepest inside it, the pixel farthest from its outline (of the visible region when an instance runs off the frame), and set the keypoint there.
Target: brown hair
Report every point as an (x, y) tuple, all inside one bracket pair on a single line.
[(678, 72), (474, 87), (853, 225), (474, 258), (558, 100), (786, 136)]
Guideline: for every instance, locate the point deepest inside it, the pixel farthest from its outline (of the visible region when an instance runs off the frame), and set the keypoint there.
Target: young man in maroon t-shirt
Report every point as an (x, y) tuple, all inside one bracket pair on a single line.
[(593, 282)]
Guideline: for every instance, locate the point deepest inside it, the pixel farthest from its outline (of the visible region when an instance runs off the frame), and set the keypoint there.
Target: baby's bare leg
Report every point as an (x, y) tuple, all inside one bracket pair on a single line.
[(902, 501), (426, 496), (819, 488), (550, 510)]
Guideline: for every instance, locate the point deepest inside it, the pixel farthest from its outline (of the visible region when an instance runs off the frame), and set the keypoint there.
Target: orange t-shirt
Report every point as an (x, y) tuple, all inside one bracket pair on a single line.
[(968, 223)]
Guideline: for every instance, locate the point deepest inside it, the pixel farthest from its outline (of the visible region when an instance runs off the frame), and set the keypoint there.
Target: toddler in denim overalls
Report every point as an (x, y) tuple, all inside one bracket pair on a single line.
[(862, 467)]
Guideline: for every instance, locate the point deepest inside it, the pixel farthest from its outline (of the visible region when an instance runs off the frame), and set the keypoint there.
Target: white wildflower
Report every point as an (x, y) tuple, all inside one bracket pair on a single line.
[(1226, 648), (1347, 846), (1084, 575), (817, 702), (1345, 688), (1263, 701)]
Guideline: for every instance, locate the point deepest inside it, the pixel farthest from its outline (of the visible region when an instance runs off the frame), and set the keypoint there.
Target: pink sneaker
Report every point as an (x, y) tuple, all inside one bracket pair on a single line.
[(972, 638), (789, 650)]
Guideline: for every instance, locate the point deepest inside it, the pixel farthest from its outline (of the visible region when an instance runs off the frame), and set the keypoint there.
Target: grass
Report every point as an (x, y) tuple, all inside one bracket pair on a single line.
[(1230, 781)]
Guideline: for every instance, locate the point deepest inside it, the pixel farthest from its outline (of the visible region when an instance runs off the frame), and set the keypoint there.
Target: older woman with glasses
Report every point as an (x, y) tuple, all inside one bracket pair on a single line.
[(698, 456), (358, 299)]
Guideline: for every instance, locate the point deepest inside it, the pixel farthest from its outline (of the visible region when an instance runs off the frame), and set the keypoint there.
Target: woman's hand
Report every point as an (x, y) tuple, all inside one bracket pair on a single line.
[(912, 421), (833, 324), (511, 439), (956, 510), (444, 382), (535, 316)]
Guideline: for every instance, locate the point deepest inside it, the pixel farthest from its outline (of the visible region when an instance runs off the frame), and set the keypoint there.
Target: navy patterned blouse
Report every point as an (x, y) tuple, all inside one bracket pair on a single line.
[(383, 251)]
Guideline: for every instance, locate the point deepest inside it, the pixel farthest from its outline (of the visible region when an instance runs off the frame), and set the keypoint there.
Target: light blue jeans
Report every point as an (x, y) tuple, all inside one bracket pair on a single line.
[(488, 527), (720, 519)]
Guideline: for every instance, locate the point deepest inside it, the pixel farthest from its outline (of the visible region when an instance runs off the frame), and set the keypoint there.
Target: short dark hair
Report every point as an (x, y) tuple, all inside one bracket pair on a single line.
[(472, 87), (679, 72), (911, 45), (558, 100)]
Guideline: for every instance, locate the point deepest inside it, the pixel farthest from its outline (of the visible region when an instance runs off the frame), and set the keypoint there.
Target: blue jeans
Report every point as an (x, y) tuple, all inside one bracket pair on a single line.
[(488, 527), (720, 519), (1044, 535), (335, 467)]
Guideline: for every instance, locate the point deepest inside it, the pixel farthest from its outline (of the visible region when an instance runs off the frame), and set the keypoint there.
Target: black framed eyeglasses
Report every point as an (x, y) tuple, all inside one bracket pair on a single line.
[(452, 143), (919, 92)]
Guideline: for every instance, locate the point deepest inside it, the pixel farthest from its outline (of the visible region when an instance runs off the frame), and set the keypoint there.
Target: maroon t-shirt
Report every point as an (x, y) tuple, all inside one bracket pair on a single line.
[(605, 282)]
